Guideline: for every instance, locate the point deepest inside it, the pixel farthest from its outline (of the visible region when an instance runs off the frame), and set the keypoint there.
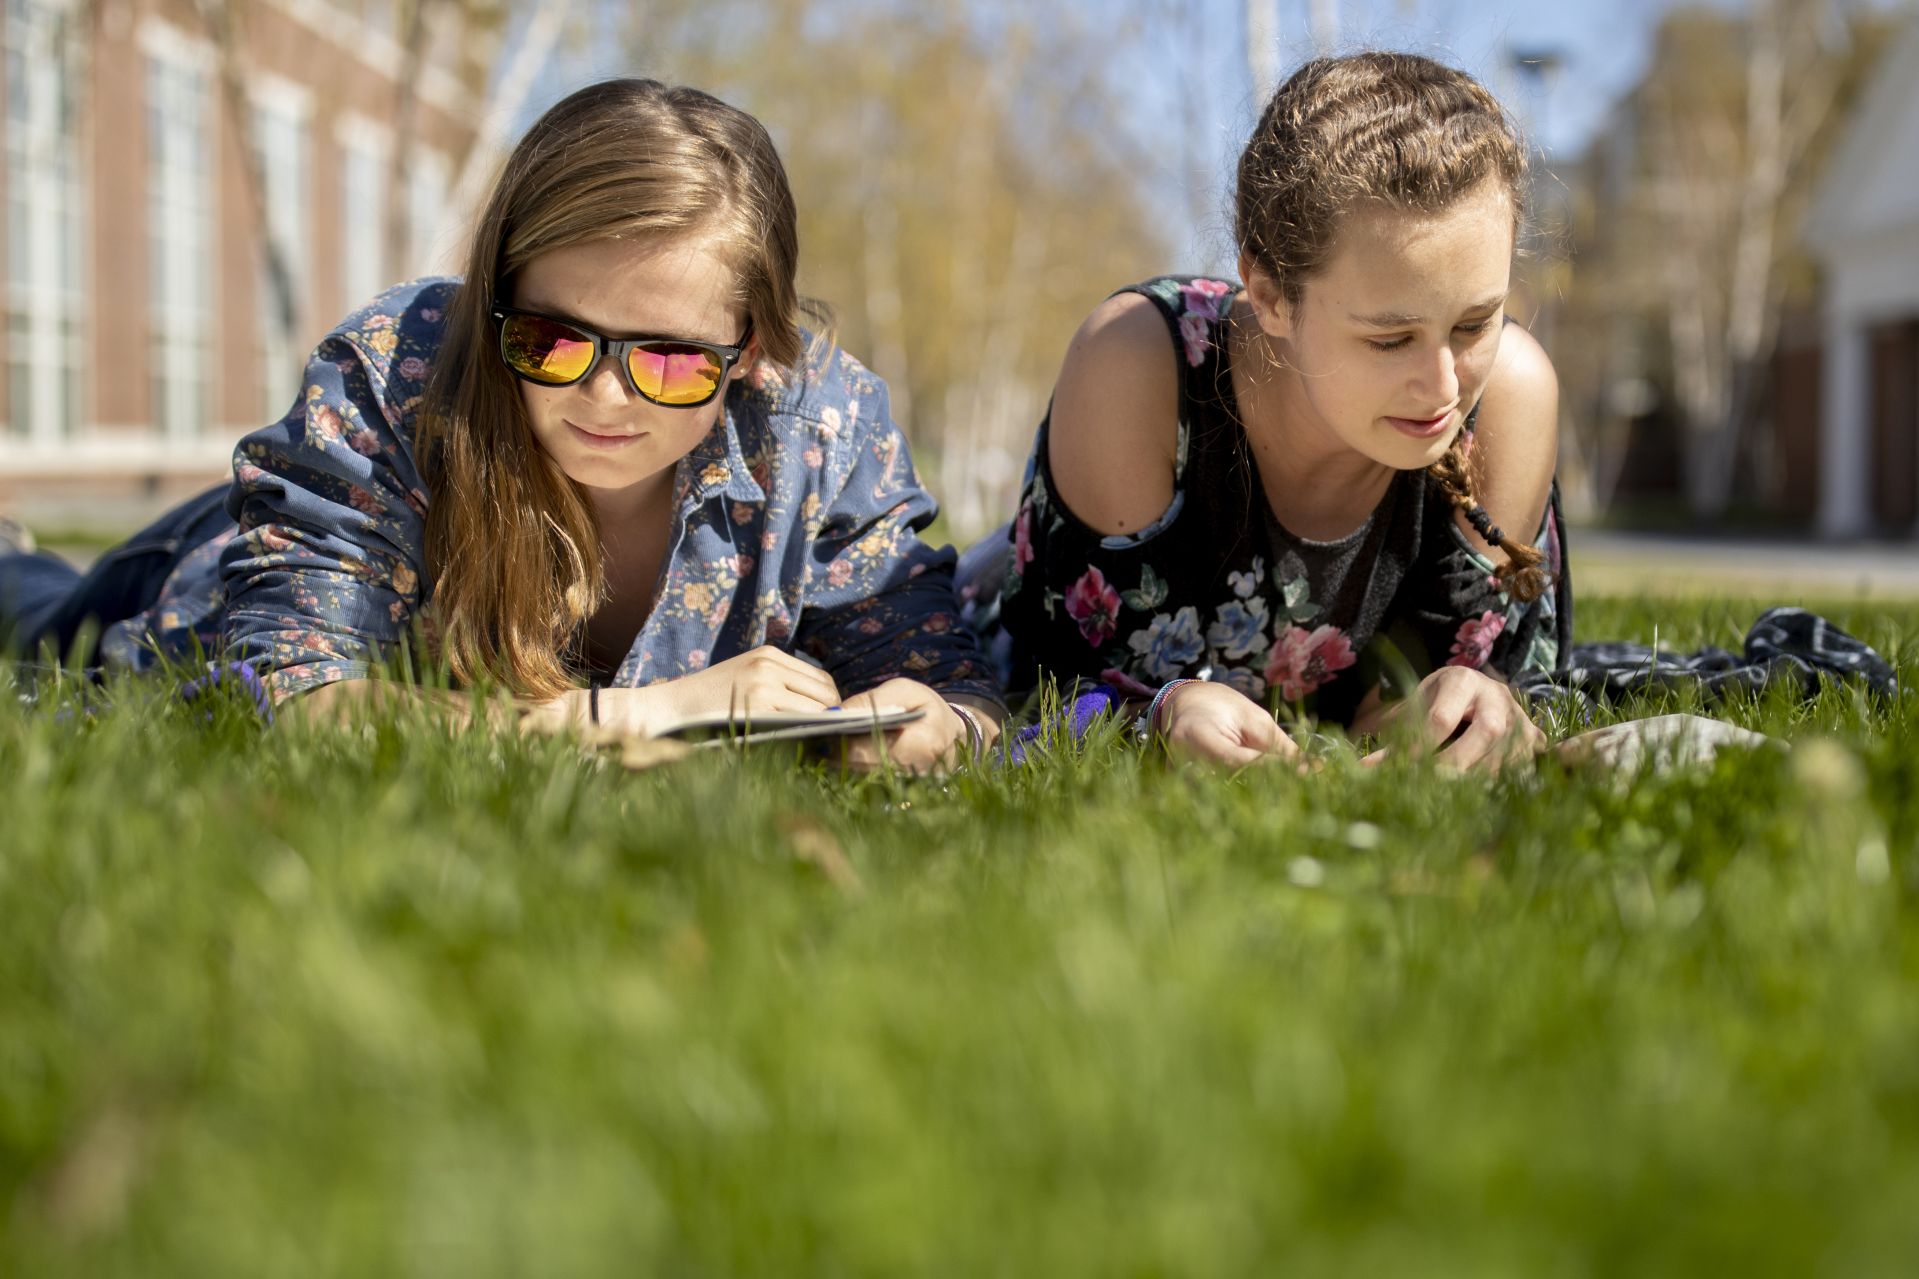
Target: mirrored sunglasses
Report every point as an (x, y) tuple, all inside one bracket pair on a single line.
[(671, 371)]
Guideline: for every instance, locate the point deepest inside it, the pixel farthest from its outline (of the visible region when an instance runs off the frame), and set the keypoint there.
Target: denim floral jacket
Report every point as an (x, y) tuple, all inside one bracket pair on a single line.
[(794, 524)]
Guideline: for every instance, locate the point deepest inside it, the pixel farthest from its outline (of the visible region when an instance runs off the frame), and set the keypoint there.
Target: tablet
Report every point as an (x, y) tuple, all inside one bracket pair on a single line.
[(746, 729)]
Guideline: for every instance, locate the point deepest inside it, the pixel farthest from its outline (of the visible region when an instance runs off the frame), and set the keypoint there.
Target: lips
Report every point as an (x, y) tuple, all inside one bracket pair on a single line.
[(602, 438), (1422, 428)]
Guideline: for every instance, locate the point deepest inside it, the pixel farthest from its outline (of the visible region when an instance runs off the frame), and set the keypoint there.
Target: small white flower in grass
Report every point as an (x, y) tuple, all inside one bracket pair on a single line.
[(1872, 863), (1306, 872), (1828, 770), (1362, 835)]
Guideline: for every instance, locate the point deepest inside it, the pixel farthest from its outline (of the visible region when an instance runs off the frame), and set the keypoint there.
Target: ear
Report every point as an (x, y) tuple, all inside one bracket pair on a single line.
[(1269, 304), (749, 356)]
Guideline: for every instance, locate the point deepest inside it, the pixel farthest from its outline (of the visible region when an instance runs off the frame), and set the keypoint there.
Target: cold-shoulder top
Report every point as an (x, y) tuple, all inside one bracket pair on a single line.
[(1218, 588)]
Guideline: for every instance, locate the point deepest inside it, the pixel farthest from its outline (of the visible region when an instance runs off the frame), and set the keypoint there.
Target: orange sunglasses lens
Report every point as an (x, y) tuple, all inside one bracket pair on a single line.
[(675, 374), (545, 350)]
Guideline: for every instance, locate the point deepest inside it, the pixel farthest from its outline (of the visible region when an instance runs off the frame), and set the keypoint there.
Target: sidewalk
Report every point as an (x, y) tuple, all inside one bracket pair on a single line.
[(1606, 562)]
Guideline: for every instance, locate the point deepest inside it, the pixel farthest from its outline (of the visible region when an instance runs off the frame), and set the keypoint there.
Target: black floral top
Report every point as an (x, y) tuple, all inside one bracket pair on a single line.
[(1217, 588)]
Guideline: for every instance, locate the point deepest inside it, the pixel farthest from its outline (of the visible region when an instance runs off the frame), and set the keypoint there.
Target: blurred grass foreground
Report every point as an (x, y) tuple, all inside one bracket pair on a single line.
[(393, 1001)]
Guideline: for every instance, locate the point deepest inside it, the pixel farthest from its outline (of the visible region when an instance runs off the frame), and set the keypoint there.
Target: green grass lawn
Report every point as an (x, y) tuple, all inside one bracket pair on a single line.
[(390, 1001)]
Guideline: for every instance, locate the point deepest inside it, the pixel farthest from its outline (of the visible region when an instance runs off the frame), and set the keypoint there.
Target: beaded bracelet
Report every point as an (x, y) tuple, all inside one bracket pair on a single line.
[(1147, 724)]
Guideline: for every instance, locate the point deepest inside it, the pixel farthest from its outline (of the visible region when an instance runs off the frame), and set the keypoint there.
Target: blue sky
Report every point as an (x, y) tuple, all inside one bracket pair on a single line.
[(1602, 49), (1193, 102)]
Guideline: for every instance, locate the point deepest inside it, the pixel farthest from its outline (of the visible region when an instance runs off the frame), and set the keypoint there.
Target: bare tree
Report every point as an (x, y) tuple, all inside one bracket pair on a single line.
[(222, 20), (1729, 177), (1262, 47), (964, 194)]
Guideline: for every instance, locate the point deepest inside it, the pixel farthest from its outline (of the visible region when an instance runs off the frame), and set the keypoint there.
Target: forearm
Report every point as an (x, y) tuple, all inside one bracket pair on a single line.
[(344, 700)]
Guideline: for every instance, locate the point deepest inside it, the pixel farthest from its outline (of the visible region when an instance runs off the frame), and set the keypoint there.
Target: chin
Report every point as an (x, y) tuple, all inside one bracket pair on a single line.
[(606, 474), (1403, 454)]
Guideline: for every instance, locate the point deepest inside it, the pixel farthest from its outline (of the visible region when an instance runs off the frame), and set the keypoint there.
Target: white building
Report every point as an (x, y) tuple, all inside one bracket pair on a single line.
[(1864, 229)]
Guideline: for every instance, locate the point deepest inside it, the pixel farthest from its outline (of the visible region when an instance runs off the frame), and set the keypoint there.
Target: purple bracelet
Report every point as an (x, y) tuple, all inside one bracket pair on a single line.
[(239, 677)]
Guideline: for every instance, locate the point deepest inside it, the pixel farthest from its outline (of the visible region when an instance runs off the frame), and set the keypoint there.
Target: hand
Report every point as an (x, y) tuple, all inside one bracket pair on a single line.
[(1218, 723), (764, 679), (937, 741), (1470, 720)]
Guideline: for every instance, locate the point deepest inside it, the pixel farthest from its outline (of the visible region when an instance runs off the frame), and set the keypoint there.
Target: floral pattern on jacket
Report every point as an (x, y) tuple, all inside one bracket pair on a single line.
[(795, 524)]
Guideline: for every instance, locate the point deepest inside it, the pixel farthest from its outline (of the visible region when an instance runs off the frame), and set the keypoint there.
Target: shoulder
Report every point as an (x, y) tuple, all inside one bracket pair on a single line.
[(412, 314), (360, 396), (1520, 402), (817, 423), (1516, 443), (1523, 383), (1112, 434), (394, 339), (829, 388)]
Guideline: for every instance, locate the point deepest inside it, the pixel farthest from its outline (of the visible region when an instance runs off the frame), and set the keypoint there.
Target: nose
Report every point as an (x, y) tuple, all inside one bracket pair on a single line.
[(1436, 381), (606, 383)]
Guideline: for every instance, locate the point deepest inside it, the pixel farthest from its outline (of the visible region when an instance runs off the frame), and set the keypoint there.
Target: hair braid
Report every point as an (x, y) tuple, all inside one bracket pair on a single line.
[(1523, 575)]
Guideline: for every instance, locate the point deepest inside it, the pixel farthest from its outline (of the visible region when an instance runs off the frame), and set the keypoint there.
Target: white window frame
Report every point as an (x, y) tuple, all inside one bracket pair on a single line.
[(366, 152), (429, 187), (282, 138), (45, 280), (182, 228)]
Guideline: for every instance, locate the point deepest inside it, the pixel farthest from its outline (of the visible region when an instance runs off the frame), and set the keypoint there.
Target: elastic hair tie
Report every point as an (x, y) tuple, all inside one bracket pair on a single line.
[(1483, 523)]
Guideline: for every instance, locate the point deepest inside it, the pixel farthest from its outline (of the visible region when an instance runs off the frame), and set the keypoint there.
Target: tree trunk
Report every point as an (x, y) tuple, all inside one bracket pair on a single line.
[(494, 139), (283, 307)]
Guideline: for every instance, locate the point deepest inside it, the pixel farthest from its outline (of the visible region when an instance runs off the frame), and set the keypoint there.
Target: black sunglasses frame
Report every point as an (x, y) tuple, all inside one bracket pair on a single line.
[(620, 349)]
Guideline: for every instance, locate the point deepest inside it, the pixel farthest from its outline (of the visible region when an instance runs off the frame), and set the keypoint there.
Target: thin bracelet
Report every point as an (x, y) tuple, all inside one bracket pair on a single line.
[(592, 702), (975, 732), (1148, 724)]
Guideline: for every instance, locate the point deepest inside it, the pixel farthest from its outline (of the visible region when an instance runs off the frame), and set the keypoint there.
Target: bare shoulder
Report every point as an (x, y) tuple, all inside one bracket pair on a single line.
[(1516, 444), (1114, 428)]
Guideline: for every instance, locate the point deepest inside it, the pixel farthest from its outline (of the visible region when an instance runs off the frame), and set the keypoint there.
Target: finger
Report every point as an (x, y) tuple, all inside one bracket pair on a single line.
[(815, 694), (810, 681), (1483, 744), (913, 749), (1532, 738), (1213, 742), (797, 674), (772, 699), (1524, 743), (1258, 730), (1451, 704), (1272, 739)]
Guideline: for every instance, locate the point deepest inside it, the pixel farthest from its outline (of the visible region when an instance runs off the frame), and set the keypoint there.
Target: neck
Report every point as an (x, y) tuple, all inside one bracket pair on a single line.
[(1298, 453), (619, 509)]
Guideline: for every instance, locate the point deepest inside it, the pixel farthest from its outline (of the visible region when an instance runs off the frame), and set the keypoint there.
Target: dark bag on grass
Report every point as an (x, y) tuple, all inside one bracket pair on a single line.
[(1785, 644)]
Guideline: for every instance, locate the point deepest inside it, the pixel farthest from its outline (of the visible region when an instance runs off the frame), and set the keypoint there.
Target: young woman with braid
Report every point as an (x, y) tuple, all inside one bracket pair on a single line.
[(1287, 491)]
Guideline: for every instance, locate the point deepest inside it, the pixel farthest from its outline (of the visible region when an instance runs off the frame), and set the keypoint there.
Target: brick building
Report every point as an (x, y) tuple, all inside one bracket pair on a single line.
[(139, 340)]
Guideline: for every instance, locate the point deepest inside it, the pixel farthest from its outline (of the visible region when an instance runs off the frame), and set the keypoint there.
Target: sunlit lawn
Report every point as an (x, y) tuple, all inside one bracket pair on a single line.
[(388, 1001)]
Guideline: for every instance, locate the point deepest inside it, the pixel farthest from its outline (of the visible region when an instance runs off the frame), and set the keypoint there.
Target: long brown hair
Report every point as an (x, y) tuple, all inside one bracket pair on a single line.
[(512, 543), (1378, 127)]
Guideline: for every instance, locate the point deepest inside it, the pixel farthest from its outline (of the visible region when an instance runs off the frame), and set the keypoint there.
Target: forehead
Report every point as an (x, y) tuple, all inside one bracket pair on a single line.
[(683, 287), (1387, 259)]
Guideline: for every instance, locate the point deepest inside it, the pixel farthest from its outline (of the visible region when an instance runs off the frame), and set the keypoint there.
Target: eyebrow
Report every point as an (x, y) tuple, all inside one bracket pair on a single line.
[(561, 313), (1400, 320)]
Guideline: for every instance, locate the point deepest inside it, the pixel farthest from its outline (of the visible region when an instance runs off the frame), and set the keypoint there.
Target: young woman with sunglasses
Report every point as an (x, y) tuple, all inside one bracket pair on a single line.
[(607, 471), (1291, 491)]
